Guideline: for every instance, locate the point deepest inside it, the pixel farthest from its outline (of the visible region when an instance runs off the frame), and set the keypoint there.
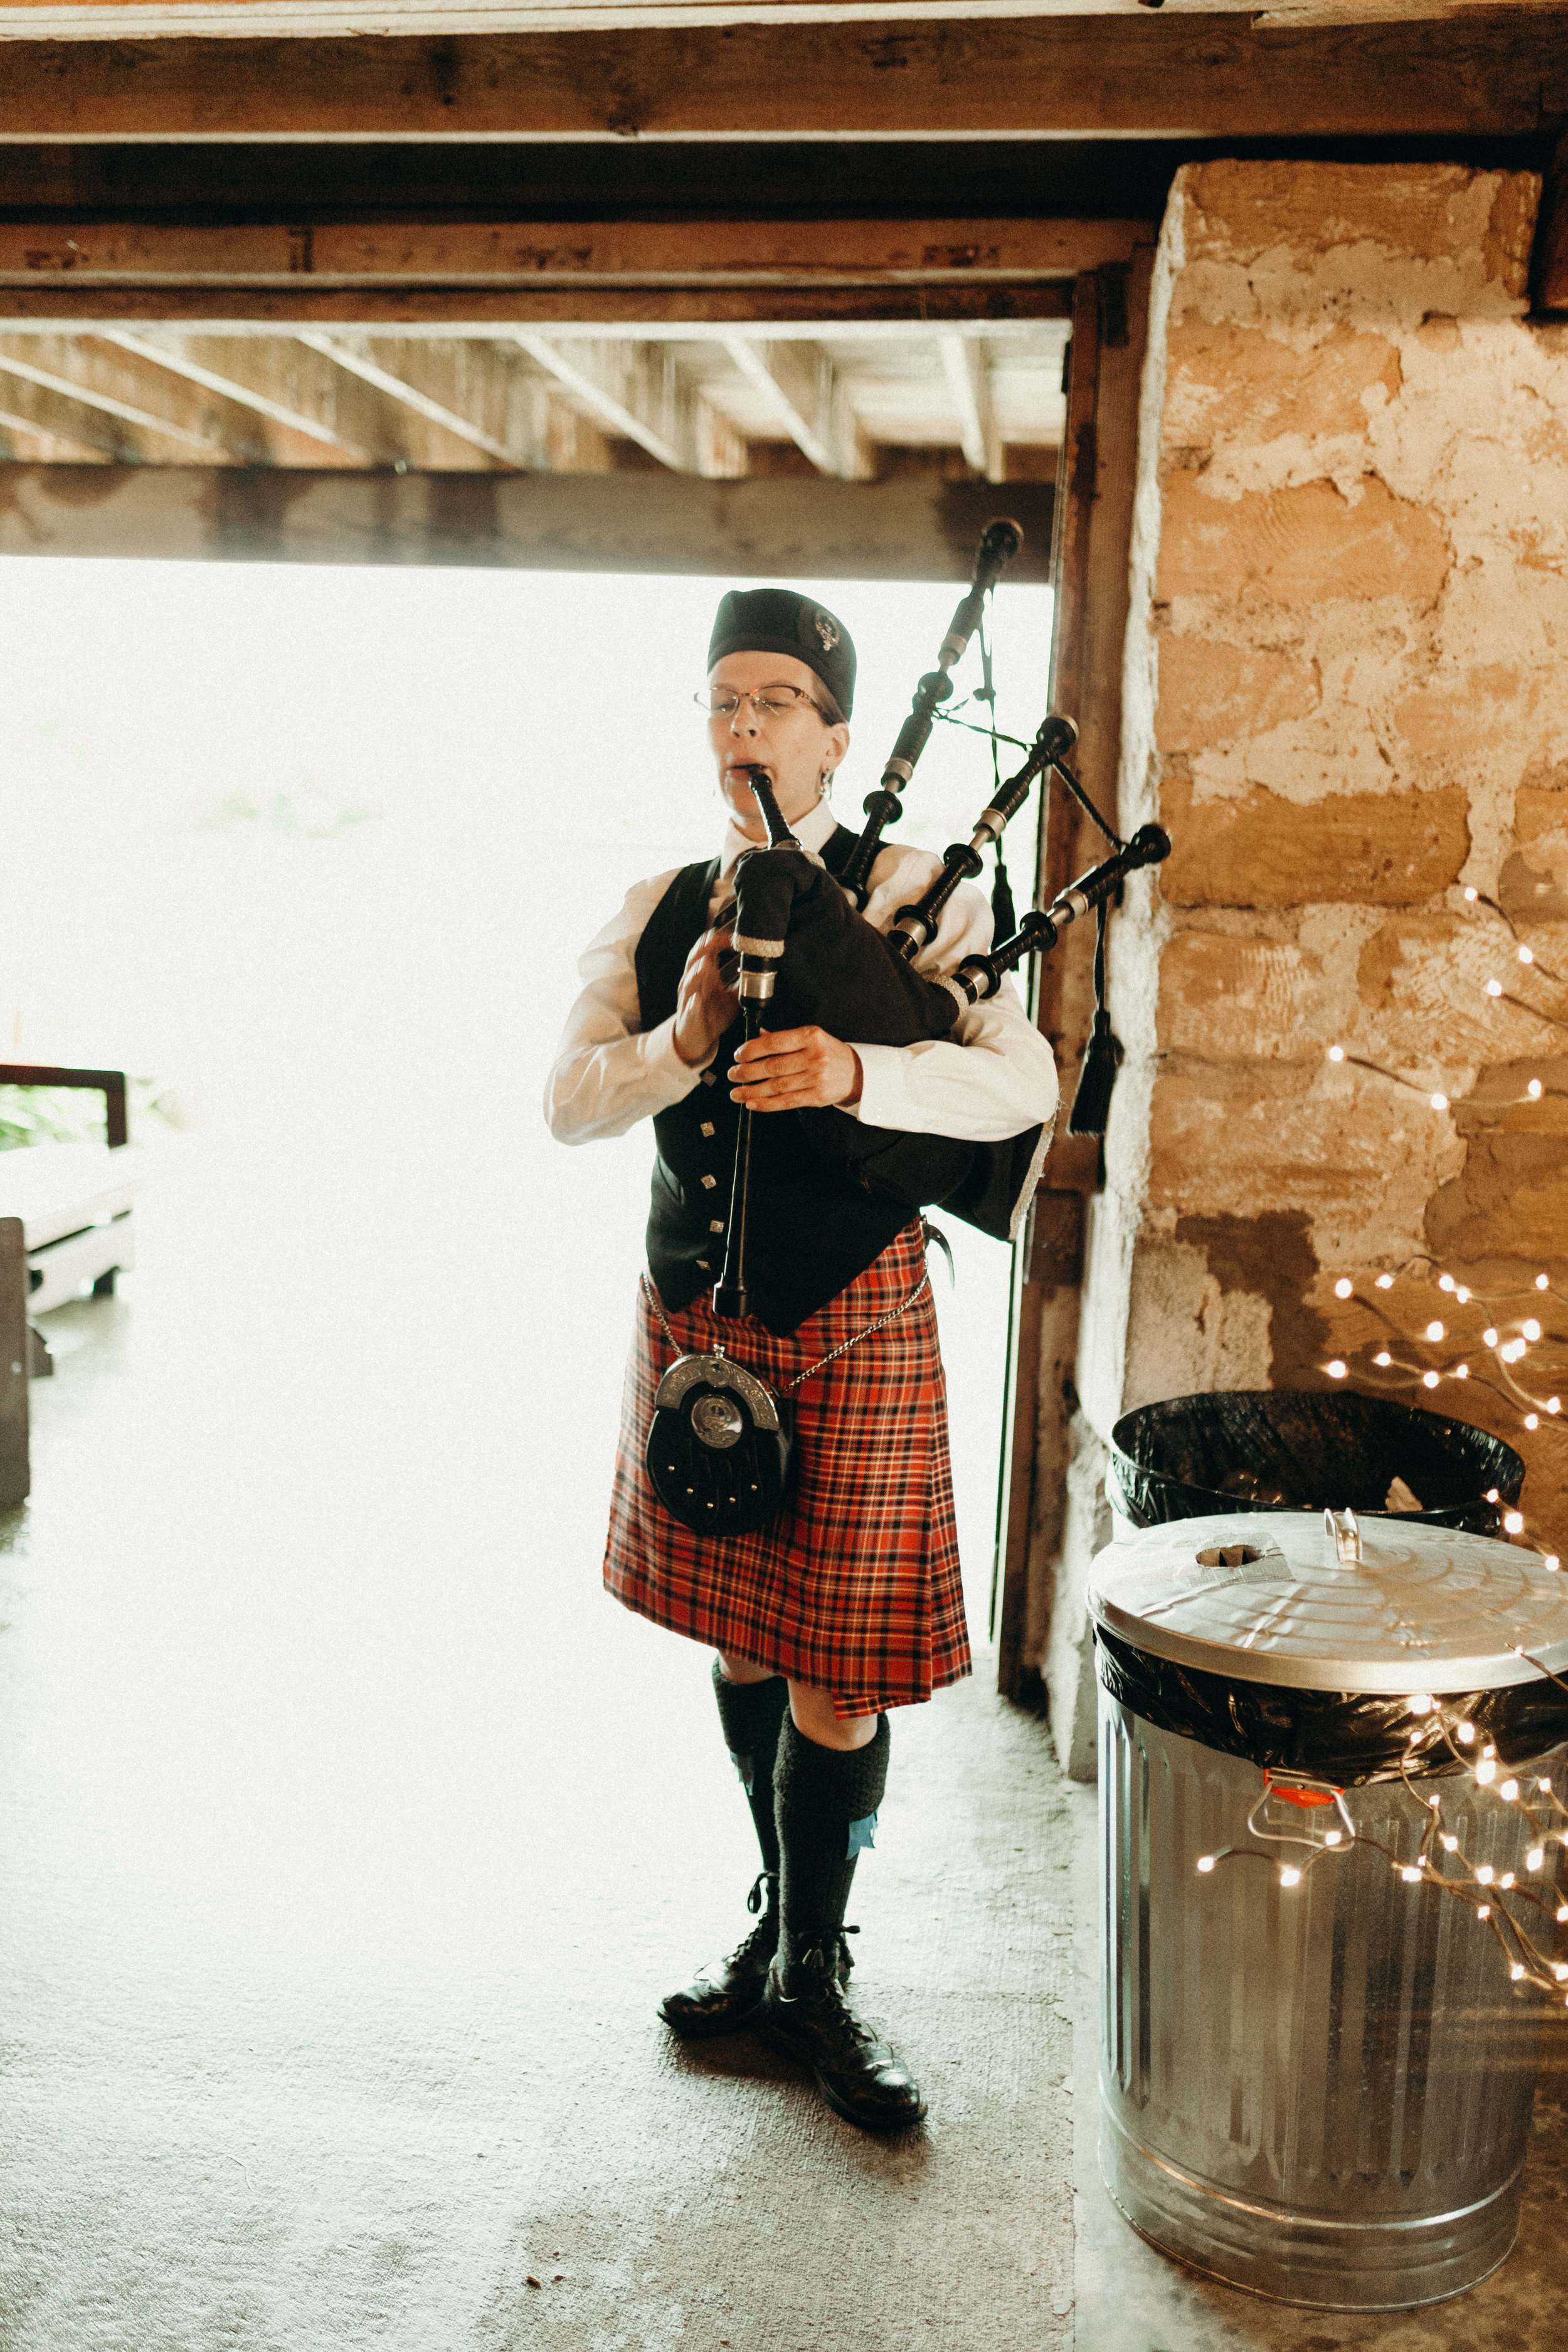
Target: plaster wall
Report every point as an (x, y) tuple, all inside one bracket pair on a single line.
[(1346, 697)]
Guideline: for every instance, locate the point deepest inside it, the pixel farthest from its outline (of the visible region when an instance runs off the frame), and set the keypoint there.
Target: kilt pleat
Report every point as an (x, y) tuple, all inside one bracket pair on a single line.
[(854, 1587)]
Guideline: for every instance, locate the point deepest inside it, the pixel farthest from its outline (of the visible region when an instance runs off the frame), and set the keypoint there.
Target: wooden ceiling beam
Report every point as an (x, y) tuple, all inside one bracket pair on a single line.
[(1187, 75), (538, 254), (968, 377), (1550, 269), (118, 386), (803, 391), (51, 430), (629, 389), (396, 374), (187, 357), (480, 310)]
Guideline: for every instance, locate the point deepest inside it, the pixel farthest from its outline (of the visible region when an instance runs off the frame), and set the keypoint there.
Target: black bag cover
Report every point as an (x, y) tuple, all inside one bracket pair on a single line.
[(1347, 1738)]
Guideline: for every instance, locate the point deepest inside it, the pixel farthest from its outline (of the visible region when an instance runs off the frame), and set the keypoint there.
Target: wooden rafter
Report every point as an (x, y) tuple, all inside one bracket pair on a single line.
[(76, 375), (629, 389), (969, 388), (1190, 75), (362, 361), (799, 386), (176, 354)]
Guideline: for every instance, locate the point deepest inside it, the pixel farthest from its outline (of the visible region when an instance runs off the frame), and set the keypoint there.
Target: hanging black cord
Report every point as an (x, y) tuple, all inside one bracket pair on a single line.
[(1003, 916), (950, 719)]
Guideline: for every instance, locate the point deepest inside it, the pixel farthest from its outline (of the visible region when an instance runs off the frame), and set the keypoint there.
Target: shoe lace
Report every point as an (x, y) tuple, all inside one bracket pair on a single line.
[(835, 2020)]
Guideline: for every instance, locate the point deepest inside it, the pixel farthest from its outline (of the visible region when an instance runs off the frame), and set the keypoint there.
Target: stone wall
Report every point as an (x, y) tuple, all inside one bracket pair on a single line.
[(1346, 697)]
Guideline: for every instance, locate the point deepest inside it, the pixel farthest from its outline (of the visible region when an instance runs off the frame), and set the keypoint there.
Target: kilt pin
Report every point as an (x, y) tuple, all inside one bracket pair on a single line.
[(855, 1587)]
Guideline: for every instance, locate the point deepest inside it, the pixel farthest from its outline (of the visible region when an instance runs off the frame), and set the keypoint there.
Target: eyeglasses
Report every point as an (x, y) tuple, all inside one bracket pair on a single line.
[(767, 702)]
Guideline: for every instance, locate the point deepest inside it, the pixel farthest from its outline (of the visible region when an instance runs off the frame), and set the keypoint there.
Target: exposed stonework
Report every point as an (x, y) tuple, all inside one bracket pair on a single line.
[(1346, 695)]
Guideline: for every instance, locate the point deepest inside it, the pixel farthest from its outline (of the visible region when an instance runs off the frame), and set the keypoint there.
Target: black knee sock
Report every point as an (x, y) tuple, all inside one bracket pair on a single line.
[(751, 1714), (827, 1800)]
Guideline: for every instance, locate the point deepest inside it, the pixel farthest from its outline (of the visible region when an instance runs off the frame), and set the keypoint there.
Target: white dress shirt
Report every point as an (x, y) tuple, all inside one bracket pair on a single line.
[(991, 1077)]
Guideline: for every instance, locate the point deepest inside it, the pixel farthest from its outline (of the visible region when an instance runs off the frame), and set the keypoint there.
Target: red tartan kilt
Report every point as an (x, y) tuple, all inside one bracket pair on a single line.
[(854, 1587)]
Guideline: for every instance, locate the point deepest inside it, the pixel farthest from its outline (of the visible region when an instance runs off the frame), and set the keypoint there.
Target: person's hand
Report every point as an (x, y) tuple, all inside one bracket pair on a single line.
[(704, 1007), (796, 1069)]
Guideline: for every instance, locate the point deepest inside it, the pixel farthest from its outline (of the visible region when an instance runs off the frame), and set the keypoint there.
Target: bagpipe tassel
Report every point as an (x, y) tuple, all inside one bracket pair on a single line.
[(1101, 1060), (1102, 1055), (1004, 917)]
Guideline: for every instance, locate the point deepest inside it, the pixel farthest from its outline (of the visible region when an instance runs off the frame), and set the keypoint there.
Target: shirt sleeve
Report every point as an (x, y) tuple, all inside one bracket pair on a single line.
[(992, 1075), (608, 1071)]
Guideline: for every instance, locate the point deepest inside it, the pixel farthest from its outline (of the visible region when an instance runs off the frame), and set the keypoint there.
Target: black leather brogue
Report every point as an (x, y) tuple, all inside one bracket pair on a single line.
[(725, 1995), (861, 2078)]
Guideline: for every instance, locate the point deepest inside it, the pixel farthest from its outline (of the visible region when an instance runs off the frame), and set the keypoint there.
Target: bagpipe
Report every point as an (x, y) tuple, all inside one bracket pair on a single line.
[(807, 957)]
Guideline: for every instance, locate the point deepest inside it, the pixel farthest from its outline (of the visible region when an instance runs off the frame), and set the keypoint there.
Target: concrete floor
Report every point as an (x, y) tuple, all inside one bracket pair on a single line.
[(352, 1837)]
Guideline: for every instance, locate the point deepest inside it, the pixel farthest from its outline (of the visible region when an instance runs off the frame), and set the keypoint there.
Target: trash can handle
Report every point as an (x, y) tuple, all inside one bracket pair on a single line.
[(1344, 1534)]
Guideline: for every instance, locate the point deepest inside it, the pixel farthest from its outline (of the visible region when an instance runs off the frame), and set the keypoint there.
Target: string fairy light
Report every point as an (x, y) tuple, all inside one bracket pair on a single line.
[(1438, 1862)]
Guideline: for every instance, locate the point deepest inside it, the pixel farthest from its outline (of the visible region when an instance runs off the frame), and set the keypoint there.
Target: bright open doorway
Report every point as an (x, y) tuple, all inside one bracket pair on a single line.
[(315, 851)]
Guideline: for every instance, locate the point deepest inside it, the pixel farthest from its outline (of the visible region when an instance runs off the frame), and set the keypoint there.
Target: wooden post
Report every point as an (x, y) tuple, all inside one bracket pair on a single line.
[(1093, 526)]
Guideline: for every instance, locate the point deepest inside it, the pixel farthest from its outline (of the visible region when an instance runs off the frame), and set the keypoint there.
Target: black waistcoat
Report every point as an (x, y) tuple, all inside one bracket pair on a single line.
[(814, 1223)]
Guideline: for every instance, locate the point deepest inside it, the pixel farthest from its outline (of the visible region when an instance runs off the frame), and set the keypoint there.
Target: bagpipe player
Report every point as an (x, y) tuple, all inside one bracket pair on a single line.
[(847, 1604)]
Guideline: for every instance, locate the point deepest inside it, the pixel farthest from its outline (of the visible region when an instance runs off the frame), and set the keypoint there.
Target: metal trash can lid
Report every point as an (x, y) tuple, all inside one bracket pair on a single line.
[(1278, 1597)]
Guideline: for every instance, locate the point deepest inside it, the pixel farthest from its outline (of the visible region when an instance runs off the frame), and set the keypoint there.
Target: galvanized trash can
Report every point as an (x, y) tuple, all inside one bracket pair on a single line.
[(1318, 2042)]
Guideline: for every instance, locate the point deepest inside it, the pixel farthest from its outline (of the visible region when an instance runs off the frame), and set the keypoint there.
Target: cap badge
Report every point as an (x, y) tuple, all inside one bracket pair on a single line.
[(827, 629)]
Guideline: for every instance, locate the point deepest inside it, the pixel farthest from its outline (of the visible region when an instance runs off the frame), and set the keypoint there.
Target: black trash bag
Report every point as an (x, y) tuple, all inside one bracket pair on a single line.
[(1347, 1738), (1307, 1450)]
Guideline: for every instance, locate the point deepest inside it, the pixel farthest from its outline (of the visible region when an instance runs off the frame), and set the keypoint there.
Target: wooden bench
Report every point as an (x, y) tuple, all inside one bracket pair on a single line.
[(66, 1227)]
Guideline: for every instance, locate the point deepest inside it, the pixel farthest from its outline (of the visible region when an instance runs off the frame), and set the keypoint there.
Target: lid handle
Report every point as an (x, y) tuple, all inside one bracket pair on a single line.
[(1344, 1534)]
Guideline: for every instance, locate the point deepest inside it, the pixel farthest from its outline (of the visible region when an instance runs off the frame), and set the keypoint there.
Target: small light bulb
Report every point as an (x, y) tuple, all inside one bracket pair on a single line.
[(1560, 1971), (1489, 1337), (1383, 1356), (1489, 1750), (1338, 1369), (1334, 1837), (1471, 894), (1428, 1379), (1206, 1861), (1553, 1561), (1542, 1283), (1506, 1878), (1420, 1702), (1450, 1845), (1515, 1973), (1386, 1282), (1553, 1404), (1493, 1495), (1411, 1877), (1514, 1522), (1530, 1329), (1486, 1771), (1545, 1787), (1486, 1874), (1535, 1090), (1445, 1282), (1535, 1857), (1434, 1330), (1494, 988), (1485, 1911), (1336, 1053), (1439, 1102), (1532, 1420), (1343, 1287), (1563, 1911), (1461, 1371), (1462, 1295), (1467, 1732), (1509, 1791), (1290, 1875), (1525, 956)]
